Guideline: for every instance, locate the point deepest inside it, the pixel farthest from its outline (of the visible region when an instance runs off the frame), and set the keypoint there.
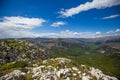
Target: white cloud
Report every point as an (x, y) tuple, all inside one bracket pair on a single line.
[(112, 16), (71, 34), (98, 33), (57, 24), (18, 26), (68, 34), (113, 32), (97, 4), (117, 30), (110, 32)]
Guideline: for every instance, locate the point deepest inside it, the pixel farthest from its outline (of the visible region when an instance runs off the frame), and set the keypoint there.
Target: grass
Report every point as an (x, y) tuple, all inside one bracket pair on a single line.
[(8, 67), (109, 65)]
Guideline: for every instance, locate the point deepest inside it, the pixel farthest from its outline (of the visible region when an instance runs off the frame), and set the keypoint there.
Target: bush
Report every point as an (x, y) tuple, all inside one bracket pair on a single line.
[(20, 64), (6, 66), (13, 65)]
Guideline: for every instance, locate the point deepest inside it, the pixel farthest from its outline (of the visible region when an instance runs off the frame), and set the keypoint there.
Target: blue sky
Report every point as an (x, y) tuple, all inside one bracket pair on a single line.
[(59, 18)]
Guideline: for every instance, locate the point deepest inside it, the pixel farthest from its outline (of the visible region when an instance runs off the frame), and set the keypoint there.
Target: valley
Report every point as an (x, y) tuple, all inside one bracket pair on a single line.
[(60, 58)]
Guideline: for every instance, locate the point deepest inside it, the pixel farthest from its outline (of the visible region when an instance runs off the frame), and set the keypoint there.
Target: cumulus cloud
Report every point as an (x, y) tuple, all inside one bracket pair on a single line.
[(112, 16), (98, 33), (95, 4), (74, 34), (18, 26), (117, 30), (57, 24), (71, 34), (110, 32)]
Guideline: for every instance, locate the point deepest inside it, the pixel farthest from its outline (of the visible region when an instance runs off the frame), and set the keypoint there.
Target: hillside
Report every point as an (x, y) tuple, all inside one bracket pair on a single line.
[(98, 54), (58, 59), (15, 50), (58, 69)]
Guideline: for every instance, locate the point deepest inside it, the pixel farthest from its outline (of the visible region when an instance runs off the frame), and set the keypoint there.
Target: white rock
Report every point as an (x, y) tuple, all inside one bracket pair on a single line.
[(79, 72), (75, 68), (63, 60), (74, 74), (98, 74), (62, 71), (37, 71), (15, 73), (67, 78), (83, 74), (86, 78)]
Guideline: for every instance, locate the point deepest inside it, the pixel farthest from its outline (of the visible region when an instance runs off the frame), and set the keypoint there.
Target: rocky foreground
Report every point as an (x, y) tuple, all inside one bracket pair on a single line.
[(19, 50), (57, 69)]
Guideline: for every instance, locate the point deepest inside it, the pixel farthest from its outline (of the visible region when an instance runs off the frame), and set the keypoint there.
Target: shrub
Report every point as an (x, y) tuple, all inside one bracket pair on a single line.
[(6, 66), (20, 64)]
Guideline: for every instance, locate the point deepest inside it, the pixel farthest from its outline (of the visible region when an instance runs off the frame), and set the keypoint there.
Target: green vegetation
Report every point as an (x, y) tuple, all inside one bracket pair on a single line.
[(13, 50), (109, 65), (80, 52), (8, 67), (28, 77), (20, 64)]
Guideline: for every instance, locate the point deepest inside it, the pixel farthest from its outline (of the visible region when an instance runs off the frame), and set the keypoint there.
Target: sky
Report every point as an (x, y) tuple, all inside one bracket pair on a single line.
[(59, 18)]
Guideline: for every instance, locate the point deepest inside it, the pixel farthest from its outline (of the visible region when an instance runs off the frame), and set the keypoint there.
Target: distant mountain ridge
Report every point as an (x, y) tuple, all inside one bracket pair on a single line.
[(99, 39), (104, 39), (93, 40)]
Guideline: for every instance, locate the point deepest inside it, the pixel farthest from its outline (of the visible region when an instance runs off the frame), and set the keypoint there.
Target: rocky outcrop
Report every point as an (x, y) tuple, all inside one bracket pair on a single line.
[(21, 60), (17, 50), (99, 75), (60, 69), (67, 71), (12, 75)]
